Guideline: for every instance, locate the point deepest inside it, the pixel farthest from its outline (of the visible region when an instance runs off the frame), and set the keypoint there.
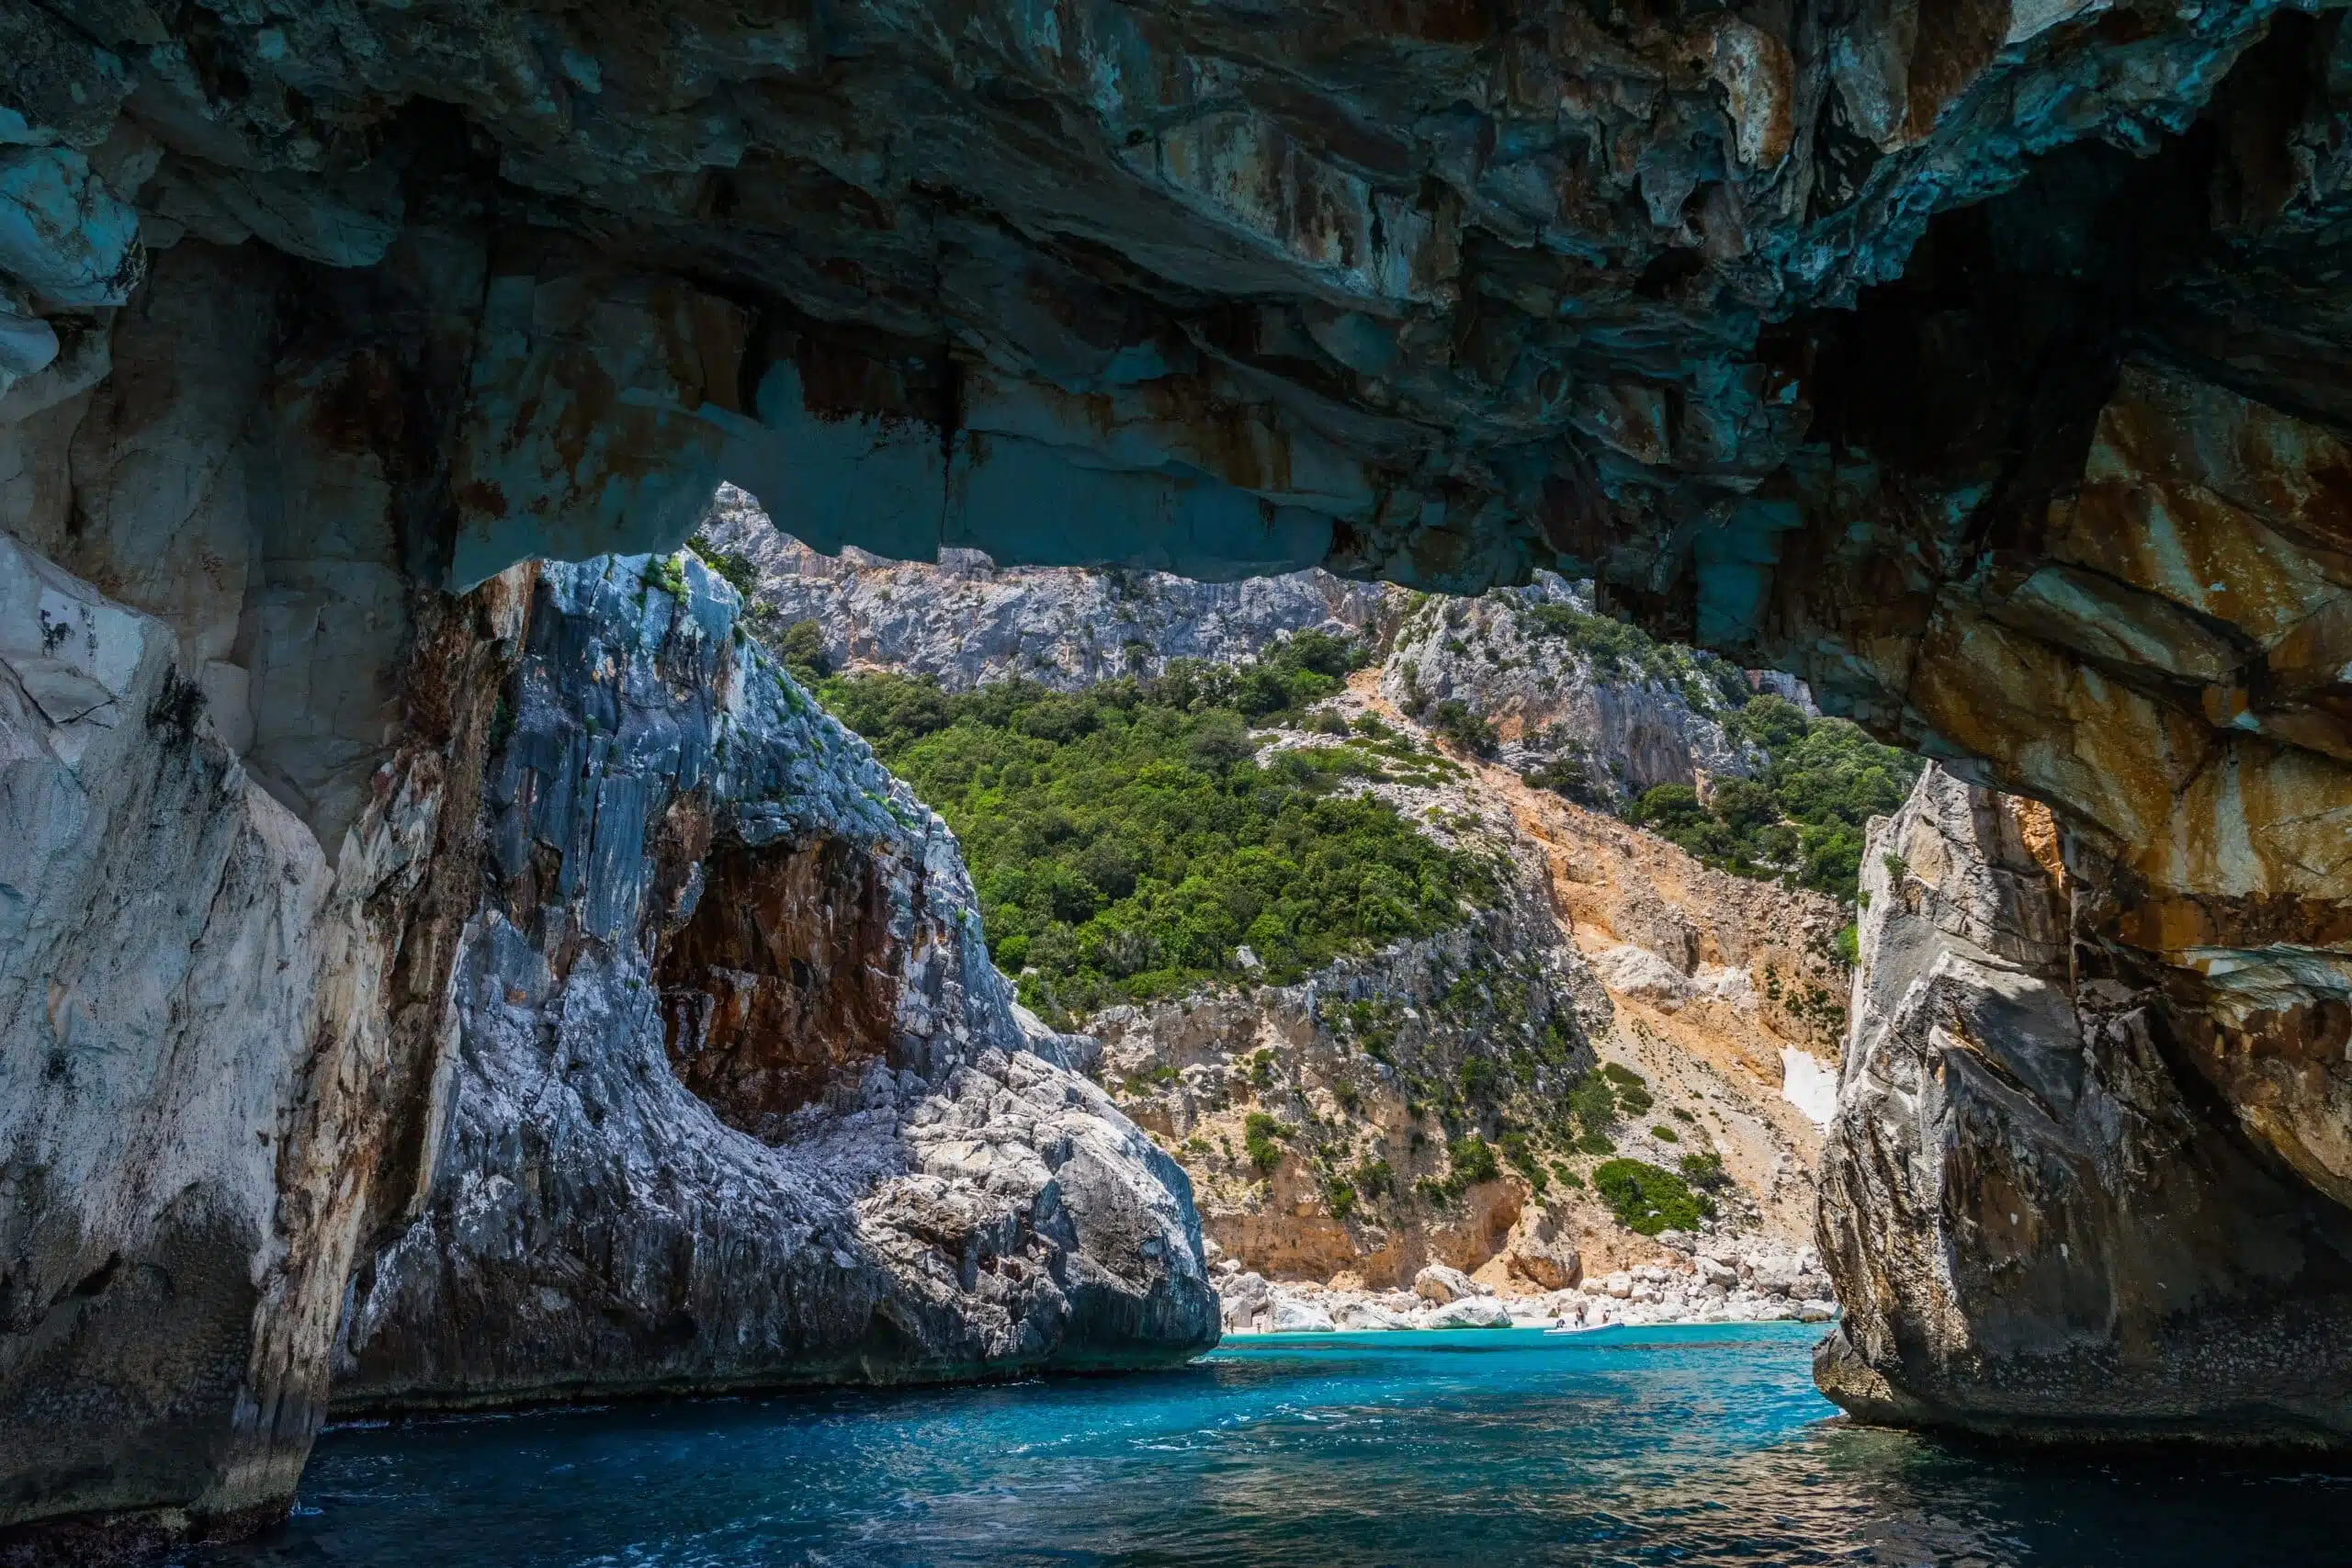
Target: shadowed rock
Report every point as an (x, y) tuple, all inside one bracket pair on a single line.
[(2040, 1219), (1980, 363)]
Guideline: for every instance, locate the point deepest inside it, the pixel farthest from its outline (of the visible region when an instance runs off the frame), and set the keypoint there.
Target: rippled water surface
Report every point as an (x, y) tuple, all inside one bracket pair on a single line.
[(1688, 1445)]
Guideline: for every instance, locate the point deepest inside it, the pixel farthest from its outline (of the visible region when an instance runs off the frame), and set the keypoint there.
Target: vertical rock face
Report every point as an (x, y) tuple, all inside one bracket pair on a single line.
[(140, 1143), (237, 1066), (2041, 1217), (1981, 362), (1624, 721), (734, 1095), (241, 765)]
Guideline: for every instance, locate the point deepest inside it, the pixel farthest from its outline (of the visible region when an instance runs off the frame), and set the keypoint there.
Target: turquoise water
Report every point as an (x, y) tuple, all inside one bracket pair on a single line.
[(1682, 1446)]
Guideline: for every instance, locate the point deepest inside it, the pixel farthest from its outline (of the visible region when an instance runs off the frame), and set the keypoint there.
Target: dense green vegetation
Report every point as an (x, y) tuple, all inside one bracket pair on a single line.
[(1127, 841), (1648, 1199), (1802, 819)]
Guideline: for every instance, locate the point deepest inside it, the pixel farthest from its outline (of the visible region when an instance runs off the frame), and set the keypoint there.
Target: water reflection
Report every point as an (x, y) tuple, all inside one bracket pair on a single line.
[(1687, 1447)]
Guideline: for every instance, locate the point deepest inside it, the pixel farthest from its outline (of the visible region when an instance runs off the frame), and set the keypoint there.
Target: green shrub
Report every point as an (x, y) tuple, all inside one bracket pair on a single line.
[(1632, 1091), (1668, 810), (1595, 1143), (1774, 723), (1473, 1161), (1460, 723), (1648, 1199), (1568, 776), (1704, 1170), (1514, 1146), (1339, 1197), (1592, 1104), (801, 647), (1480, 1079), (1259, 1136), (1666, 1135), (1374, 1179), (1565, 1174), (1849, 949), (1802, 819), (733, 567), (1128, 840)]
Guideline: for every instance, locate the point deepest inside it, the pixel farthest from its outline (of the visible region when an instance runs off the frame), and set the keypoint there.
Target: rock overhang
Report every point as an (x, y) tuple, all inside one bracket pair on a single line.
[(1976, 360), (1487, 288)]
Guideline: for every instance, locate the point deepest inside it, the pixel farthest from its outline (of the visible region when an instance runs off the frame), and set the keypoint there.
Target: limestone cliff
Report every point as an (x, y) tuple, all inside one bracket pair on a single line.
[(735, 1096), (1530, 660), (1609, 947), (1608, 944), (1977, 362), (1608, 723), (2039, 1219), (967, 620), (640, 1035)]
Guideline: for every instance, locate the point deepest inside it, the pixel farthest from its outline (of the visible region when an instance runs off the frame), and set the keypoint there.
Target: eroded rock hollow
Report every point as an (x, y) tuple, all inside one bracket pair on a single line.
[(1980, 362)]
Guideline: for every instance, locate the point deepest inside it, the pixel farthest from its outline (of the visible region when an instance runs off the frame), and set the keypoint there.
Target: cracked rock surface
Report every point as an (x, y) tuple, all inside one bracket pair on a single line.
[(1979, 363), (2037, 1226), (938, 1195)]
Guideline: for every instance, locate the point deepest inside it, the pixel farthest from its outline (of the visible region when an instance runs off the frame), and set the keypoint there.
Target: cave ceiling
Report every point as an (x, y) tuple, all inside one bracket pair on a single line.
[(1981, 360)]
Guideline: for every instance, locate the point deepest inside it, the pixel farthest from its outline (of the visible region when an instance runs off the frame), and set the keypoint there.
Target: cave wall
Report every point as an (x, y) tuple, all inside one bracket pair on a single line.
[(779, 979), (2045, 1221), (1981, 362)]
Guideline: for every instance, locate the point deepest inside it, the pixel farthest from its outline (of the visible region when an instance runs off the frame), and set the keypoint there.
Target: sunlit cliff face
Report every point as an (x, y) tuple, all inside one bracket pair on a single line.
[(1978, 360)]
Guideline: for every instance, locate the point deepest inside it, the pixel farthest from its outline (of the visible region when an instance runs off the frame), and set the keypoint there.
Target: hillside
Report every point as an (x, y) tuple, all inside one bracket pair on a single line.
[(1367, 949)]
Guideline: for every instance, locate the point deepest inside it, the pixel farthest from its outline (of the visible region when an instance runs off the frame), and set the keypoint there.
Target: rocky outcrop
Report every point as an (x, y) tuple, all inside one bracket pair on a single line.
[(141, 1135), (272, 1117), (1606, 723), (1562, 685), (1606, 945), (735, 1095), (1693, 1279), (2041, 1217), (219, 1047), (1360, 1069), (1976, 362), (967, 620)]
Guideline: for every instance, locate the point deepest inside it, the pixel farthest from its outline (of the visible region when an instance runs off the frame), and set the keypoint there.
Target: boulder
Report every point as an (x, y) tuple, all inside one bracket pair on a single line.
[(1538, 1251), (1366, 1316), (1294, 1316), (1440, 1283), (1471, 1312)]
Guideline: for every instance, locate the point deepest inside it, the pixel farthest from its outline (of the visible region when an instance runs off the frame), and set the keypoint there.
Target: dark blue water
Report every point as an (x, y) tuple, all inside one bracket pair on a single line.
[(1685, 1446)]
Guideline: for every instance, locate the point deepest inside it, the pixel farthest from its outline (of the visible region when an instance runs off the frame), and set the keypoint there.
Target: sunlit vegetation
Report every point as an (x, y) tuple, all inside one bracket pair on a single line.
[(1129, 841), (1620, 650), (733, 566), (1802, 820), (1648, 1199)]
